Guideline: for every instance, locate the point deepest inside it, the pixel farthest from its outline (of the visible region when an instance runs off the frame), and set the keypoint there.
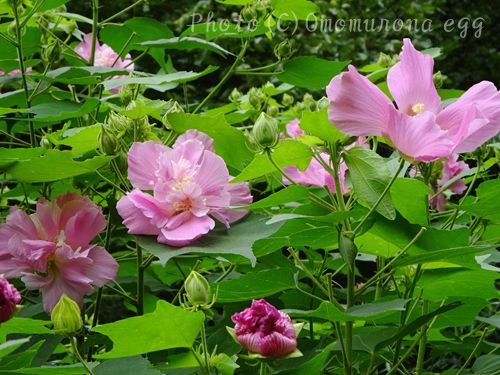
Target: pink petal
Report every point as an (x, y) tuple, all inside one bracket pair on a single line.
[(212, 174), (272, 345), (143, 163), (141, 213), (411, 83), (48, 214), (103, 268), (208, 143), (293, 129), (357, 106), (84, 227), (187, 232), (419, 137), (240, 196)]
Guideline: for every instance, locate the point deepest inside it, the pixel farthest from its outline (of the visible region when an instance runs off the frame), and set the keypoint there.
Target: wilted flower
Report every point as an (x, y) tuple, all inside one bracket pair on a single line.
[(265, 330), (9, 298), (189, 184), (104, 56), (66, 316), (50, 250), (419, 128)]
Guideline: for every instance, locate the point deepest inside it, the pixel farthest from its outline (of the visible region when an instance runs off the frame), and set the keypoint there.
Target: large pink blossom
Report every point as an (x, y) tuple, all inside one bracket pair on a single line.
[(189, 186), (50, 250), (265, 330), (104, 56), (419, 127), (9, 298)]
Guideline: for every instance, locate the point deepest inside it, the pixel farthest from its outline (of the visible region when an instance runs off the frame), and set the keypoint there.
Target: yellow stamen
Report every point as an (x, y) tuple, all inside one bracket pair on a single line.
[(418, 108)]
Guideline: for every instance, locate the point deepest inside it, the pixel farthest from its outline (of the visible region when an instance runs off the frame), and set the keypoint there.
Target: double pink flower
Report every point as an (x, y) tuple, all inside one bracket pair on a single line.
[(9, 298), (265, 330), (420, 128), (50, 250), (189, 187)]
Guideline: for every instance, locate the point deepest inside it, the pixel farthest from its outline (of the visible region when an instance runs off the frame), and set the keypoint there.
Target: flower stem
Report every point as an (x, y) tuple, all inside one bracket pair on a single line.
[(74, 347), (423, 341), (483, 336), (140, 282), (381, 197), (121, 12), (95, 27), (263, 368), (204, 345)]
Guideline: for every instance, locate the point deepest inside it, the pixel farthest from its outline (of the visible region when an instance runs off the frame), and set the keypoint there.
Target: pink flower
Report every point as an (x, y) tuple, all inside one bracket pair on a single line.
[(293, 129), (16, 72), (208, 143), (265, 330), (189, 185), (104, 56), (452, 167), (9, 298), (419, 128), (50, 250)]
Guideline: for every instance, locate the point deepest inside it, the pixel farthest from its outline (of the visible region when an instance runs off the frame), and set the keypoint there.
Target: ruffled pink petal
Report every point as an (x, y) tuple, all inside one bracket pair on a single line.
[(272, 345), (84, 227), (411, 83), (419, 137), (357, 106), (141, 213), (240, 196), (36, 253), (84, 48), (293, 129), (103, 268), (143, 163), (212, 174), (187, 232), (208, 143), (9, 298), (48, 214)]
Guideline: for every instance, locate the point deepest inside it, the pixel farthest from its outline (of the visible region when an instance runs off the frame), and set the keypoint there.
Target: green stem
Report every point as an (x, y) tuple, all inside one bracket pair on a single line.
[(22, 67), (95, 27), (224, 79), (384, 193), (464, 366), (79, 356), (204, 346), (380, 283), (121, 12), (140, 282), (262, 368), (423, 341)]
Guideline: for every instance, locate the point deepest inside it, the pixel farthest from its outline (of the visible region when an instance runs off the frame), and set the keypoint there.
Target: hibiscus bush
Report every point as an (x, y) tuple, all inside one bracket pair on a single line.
[(301, 217)]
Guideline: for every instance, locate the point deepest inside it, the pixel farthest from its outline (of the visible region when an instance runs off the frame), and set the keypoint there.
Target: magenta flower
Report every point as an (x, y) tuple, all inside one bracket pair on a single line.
[(9, 298), (419, 127), (189, 185), (452, 167), (50, 250), (104, 56), (265, 330)]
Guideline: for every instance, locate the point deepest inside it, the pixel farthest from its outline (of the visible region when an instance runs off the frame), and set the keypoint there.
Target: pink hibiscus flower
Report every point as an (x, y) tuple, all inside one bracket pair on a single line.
[(50, 250), (265, 330), (9, 298), (452, 167), (419, 127), (189, 185)]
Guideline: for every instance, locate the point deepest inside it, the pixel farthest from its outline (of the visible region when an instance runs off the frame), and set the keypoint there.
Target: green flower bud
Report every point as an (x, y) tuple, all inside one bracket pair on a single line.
[(107, 140), (309, 103), (197, 289), (248, 13), (262, 5), (438, 79), (322, 103), (287, 100), (118, 123), (384, 60), (283, 50), (174, 108), (265, 132), (235, 96), (51, 53), (268, 86), (256, 97), (272, 111), (66, 316), (45, 143)]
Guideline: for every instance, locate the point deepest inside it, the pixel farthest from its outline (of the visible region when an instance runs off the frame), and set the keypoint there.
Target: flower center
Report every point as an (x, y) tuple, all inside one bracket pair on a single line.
[(417, 109), (182, 206)]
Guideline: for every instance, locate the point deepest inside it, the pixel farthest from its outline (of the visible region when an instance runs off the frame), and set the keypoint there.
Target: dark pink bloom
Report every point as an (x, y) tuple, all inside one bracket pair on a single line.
[(9, 298), (189, 184), (419, 127), (452, 167), (104, 56), (265, 330), (50, 250)]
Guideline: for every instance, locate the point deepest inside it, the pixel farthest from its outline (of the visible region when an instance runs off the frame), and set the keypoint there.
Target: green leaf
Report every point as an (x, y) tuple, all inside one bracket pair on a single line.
[(370, 175), (295, 10), (292, 193), (56, 111), (41, 168), (289, 153), (410, 199), (237, 240), (24, 326), (81, 75), (132, 365), (492, 320), (81, 140), (317, 124), (448, 255), (488, 364), (185, 43), (253, 285), (310, 72), (9, 346), (159, 82), (9, 156), (488, 205), (230, 143), (167, 327), (75, 369)]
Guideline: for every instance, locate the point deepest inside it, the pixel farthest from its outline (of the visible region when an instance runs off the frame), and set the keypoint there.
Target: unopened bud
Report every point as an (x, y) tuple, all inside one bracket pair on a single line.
[(384, 60), (235, 95), (265, 132), (438, 79), (322, 103), (66, 316), (287, 100), (272, 111), (107, 140), (283, 50), (197, 289), (248, 13), (256, 97), (309, 103), (45, 143), (51, 53), (174, 108)]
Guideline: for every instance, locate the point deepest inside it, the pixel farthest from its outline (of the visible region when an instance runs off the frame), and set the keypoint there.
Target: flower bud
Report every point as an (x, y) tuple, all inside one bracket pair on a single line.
[(272, 111), (174, 108), (248, 13), (197, 289), (384, 60), (256, 97), (265, 132), (283, 50), (235, 96), (117, 123), (45, 143), (51, 53), (309, 103), (438, 79), (9, 298), (287, 100), (323, 103), (107, 140), (66, 316)]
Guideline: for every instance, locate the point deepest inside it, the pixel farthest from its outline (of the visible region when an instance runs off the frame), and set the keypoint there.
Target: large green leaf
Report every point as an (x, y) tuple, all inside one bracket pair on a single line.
[(370, 175), (132, 365), (56, 111), (295, 10), (185, 43), (293, 193), (410, 199), (488, 205), (289, 153), (255, 285), (237, 240), (310, 72), (167, 327), (25, 326), (76, 369), (317, 124), (230, 143), (81, 75)]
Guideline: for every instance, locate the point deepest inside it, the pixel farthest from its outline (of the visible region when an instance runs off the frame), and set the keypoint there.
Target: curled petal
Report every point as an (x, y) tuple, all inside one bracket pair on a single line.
[(240, 196), (272, 345), (103, 268), (143, 162), (411, 83), (357, 106), (208, 143), (141, 213), (187, 232)]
